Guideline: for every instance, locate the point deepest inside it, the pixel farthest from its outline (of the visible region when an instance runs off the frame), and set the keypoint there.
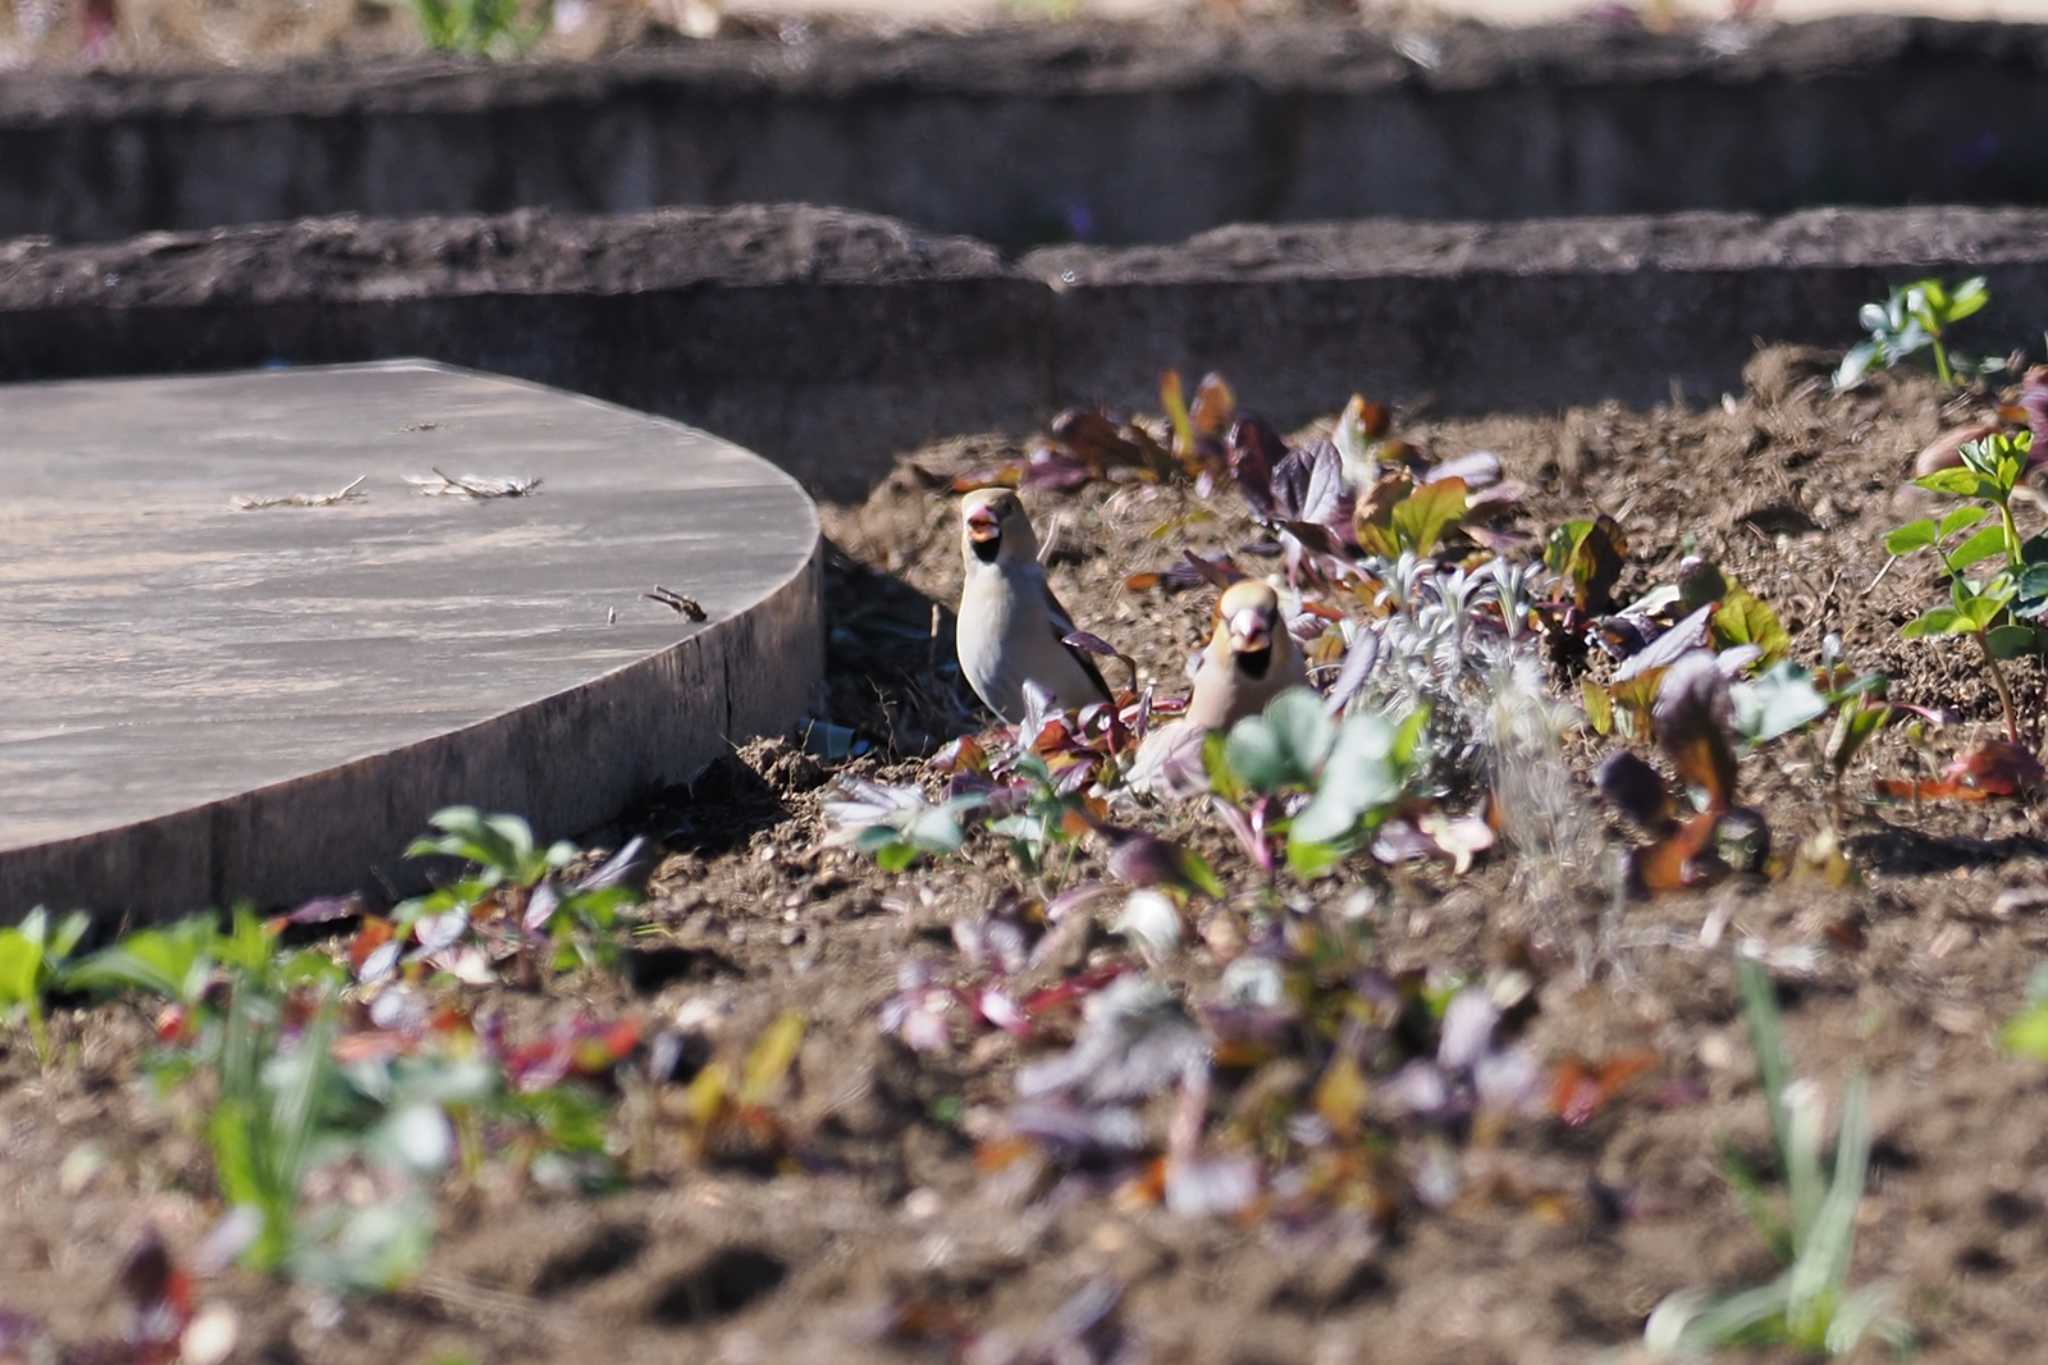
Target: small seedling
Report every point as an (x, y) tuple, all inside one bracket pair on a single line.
[(1809, 1306), (1353, 771), (514, 884), (1983, 484), (31, 956), (1913, 318), (479, 28)]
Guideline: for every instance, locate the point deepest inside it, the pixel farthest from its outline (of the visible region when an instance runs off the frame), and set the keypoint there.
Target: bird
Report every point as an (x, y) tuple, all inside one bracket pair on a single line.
[(1012, 630), (1250, 658)]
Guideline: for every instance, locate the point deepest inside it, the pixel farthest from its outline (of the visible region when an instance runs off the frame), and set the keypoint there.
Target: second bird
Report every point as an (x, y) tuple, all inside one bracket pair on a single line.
[(1011, 627)]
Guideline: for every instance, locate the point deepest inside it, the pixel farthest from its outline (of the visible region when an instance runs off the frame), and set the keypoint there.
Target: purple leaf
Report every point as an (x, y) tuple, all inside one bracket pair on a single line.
[(1632, 787), (1075, 898), (1075, 1130), (1323, 500), (541, 907), (625, 866), (1220, 573), (1671, 646), (1255, 449), (1468, 1026), (326, 909), (1478, 470), (1093, 644), (1211, 1187), (1358, 665)]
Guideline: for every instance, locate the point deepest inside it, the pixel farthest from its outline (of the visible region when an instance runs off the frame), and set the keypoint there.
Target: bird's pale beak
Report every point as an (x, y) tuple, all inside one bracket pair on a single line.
[(1251, 630), (982, 526)]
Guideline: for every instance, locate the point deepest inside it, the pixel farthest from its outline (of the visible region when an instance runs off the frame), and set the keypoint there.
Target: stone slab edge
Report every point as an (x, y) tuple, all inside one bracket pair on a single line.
[(828, 340), (1041, 62), (569, 763)]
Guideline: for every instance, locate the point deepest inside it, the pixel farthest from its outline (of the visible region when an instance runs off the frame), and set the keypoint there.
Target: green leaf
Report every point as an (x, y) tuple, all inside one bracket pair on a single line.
[(1564, 543), (1199, 874), (895, 856), (1854, 725), (1363, 774), (1956, 483), (1986, 544), (173, 962), (1982, 607), (1959, 519), (1969, 297), (2026, 1034), (1781, 701), (1745, 620), (1918, 535), (1222, 780), (21, 967), (1307, 861), (1282, 747), (1940, 621), (1856, 364), (2010, 641), (1420, 519)]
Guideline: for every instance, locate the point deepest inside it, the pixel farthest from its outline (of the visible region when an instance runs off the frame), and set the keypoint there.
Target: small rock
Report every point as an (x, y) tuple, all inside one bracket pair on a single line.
[(2018, 900), (209, 1338)]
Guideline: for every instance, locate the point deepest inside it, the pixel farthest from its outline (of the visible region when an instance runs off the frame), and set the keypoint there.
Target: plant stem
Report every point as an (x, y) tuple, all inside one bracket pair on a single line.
[(2012, 722), (2012, 534), (1948, 379)]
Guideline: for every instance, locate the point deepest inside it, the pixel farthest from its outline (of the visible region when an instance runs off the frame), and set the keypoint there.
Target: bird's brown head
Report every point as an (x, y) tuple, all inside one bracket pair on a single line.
[(1248, 624), (994, 527)]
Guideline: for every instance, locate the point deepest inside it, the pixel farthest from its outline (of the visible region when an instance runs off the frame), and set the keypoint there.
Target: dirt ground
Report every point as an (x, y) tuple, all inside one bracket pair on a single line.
[(889, 1241)]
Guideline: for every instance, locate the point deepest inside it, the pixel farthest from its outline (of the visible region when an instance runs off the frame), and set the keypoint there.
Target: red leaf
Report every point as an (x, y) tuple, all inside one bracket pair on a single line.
[(1995, 768), (1581, 1088)]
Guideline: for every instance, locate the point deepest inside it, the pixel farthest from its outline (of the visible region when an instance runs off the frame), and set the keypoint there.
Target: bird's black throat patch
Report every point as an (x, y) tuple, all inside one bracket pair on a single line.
[(987, 550), (1253, 663)]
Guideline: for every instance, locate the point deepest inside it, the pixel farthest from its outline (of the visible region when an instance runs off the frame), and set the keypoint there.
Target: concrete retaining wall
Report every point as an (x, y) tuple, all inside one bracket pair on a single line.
[(828, 341), (1056, 134)]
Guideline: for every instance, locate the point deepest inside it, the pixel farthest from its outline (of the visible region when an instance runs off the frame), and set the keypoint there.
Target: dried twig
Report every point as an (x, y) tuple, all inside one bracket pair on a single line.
[(687, 607), (352, 493), (472, 486)]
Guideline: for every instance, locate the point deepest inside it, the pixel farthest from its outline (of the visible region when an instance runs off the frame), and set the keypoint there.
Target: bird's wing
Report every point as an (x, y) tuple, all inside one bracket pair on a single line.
[(1061, 623)]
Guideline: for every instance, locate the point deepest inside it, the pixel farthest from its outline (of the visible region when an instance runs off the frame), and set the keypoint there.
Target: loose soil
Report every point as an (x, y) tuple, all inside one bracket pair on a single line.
[(1564, 1238)]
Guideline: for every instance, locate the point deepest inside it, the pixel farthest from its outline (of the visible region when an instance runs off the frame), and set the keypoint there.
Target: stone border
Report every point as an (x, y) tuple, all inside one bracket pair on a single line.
[(828, 341), (1049, 134), (568, 761)]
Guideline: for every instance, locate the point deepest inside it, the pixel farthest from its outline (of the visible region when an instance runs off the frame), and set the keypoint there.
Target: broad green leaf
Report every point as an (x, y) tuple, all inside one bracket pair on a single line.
[(1956, 483), (1959, 519), (2010, 641), (895, 856), (1421, 518), (2026, 1033), (1781, 701), (1745, 620), (21, 967), (1939, 621), (1969, 297), (173, 962), (1599, 706), (1981, 608), (1918, 535), (1564, 542), (1362, 774), (1987, 543), (1307, 861)]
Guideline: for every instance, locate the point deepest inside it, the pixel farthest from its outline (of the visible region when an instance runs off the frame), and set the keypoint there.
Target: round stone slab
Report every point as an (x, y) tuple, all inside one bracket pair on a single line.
[(204, 702)]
